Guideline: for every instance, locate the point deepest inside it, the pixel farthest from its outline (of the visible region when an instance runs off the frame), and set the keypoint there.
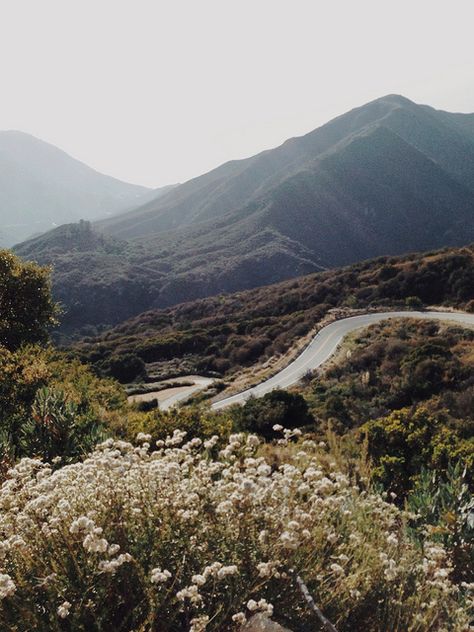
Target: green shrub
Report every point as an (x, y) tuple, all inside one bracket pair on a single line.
[(444, 507), (126, 368), (278, 407)]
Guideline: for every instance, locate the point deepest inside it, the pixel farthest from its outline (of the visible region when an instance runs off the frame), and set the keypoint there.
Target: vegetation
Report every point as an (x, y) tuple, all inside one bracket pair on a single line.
[(408, 387), (49, 406), (204, 523), (27, 311), (223, 333), (277, 408), (185, 538)]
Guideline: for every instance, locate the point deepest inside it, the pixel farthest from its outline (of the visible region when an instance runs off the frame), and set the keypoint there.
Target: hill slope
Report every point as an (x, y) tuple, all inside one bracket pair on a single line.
[(42, 186), (224, 333), (386, 178)]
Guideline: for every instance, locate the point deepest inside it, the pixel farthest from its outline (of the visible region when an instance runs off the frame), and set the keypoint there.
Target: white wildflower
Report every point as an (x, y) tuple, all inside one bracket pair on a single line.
[(63, 610), (158, 576), (7, 586)]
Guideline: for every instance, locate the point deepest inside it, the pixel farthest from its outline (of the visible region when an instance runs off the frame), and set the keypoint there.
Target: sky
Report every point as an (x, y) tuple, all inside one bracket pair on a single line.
[(159, 91)]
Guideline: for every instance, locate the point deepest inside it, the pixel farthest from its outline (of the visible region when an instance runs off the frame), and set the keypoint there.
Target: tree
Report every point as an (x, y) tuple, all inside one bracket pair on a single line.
[(27, 311)]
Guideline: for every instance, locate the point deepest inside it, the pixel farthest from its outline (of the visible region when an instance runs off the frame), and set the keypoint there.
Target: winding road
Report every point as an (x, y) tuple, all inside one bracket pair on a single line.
[(325, 343)]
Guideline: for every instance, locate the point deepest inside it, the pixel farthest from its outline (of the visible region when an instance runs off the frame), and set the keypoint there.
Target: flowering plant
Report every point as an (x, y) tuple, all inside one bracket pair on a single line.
[(190, 537)]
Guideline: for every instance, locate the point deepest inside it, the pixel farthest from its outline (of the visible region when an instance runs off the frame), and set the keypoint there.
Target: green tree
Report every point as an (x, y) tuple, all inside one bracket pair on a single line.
[(27, 311)]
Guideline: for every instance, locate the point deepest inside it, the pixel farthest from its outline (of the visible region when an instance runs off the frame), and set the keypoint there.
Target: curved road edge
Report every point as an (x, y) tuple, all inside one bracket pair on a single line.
[(325, 343)]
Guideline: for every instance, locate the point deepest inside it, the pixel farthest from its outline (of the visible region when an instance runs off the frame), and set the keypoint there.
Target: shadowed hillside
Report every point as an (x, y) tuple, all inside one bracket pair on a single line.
[(224, 333)]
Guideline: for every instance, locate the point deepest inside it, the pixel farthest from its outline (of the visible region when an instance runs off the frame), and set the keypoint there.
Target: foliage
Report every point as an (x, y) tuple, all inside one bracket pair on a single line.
[(223, 333), (58, 430), (444, 507), (26, 310), (127, 367), (196, 422), (278, 407), (183, 538), (396, 364), (408, 440), (50, 406)]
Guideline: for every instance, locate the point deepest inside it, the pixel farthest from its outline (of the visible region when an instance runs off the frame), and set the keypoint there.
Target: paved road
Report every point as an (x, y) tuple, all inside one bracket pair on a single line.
[(185, 393), (325, 343)]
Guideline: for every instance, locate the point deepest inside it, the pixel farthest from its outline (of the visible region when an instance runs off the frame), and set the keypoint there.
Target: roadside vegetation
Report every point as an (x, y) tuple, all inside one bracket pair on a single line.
[(222, 334), (408, 386)]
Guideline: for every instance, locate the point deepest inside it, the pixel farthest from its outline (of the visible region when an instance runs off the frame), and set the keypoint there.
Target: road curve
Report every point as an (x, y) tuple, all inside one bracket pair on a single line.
[(325, 343), (199, 385)]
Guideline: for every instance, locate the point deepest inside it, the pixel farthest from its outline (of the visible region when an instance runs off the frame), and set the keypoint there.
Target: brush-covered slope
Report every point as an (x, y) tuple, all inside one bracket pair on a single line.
[(42, 186), (223, 333), (386, 178)]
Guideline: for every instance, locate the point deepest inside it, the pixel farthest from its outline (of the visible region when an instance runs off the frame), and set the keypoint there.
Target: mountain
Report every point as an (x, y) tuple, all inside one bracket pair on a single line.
[(444, 138), (42, 186), (385, 178)]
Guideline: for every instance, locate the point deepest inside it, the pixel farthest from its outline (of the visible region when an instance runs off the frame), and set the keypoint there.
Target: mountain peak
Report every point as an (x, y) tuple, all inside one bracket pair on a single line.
[(395, 99)]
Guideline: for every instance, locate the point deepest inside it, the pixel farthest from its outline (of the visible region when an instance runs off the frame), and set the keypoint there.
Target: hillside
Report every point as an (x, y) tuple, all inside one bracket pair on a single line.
[(389, 177), (225, 333), (440, 137), (42, 186)]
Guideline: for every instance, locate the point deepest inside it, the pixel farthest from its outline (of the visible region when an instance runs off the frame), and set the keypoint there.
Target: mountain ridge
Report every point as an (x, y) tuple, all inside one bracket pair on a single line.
[(42, 186), (385, 178)]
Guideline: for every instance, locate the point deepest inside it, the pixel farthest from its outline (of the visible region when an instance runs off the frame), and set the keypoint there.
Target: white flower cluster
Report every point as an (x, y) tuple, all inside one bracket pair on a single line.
[(287, 433), (93, 542), (63, 609), (7, 586), (210, 536), (260, 606), (111, 566), (159, 577)]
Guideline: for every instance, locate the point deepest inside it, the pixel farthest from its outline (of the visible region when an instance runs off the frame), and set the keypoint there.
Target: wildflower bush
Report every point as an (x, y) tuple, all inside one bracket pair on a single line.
[(189, 536)]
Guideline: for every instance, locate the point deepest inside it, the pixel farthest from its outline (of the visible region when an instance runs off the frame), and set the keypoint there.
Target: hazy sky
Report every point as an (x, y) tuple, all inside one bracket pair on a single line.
[(156, 92)]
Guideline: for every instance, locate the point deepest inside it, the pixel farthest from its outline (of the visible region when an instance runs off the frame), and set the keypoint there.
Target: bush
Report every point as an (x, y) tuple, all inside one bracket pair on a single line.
[(57, 430), (259, 415), (126, 368), (409, 440), (444, 506), (176, 541), (413, 302)]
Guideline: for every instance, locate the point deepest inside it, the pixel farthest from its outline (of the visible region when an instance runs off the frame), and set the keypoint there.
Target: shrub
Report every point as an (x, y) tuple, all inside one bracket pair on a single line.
[(177, 540), (27, 310), (444, 506), (408, 440), (57, 430), (278, 407), (126, 368)]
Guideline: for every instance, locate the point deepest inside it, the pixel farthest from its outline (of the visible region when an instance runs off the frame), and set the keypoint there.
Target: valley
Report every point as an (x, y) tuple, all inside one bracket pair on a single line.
[(212, 390)]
